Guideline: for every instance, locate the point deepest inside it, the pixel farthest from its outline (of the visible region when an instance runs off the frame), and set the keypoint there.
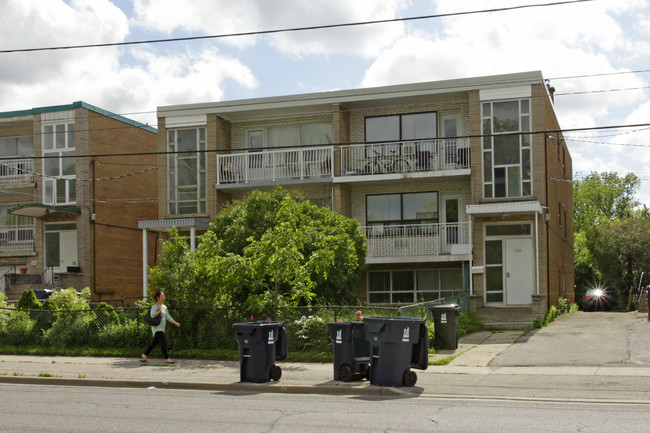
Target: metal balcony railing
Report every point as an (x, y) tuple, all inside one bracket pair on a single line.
[(415, 239), (405, 157), (275, 165), (17, 170), (17, 239)]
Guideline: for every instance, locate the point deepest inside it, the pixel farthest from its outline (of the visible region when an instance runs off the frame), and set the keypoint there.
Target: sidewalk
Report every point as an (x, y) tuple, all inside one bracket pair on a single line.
[(481, 367)]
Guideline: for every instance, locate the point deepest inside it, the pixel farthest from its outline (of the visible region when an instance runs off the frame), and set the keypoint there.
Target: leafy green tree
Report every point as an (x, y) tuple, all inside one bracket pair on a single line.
[(270, 250), (621, 253), (603, 197)]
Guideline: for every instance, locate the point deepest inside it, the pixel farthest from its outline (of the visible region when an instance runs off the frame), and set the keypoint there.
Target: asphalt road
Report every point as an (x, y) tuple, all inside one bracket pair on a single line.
[(27, 408), (582, 339)]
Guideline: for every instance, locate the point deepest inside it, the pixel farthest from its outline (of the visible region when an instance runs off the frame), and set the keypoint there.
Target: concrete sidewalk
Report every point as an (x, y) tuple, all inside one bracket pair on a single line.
[(485, 365)]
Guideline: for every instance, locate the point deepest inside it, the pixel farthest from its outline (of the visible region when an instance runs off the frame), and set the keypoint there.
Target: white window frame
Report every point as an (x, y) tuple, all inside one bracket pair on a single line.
[(199, 189), (61, 151)]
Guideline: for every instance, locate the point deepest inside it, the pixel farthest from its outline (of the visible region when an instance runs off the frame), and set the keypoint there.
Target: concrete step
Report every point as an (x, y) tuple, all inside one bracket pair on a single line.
[(15, 291), (643, 305), (517, 318)]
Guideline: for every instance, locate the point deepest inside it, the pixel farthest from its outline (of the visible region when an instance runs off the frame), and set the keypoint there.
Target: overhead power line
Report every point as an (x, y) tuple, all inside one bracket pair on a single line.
[(294, 29)]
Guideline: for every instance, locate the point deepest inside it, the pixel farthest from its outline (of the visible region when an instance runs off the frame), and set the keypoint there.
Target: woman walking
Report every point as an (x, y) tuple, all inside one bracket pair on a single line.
[(158, 331)]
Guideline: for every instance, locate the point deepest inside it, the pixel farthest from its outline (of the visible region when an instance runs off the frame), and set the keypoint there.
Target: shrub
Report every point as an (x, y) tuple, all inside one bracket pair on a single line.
[(308, 333), (28, 301), (18, 329), (106, 314), (131, 333), (71, 329)]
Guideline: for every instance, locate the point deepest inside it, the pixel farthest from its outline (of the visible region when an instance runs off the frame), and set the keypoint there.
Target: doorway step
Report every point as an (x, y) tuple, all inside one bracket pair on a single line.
[(511, 317)]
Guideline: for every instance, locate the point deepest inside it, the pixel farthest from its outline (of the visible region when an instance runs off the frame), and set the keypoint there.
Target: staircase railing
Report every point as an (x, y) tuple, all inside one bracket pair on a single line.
[(12, 274)]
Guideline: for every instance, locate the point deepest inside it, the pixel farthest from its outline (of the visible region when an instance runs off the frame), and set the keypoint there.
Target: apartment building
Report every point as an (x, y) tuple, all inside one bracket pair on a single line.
[(74, 182), (462, 187)]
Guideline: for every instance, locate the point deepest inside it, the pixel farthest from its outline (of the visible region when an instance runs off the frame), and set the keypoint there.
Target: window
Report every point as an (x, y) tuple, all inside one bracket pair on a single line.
[(400, 209), (294, 135), (401, 127), (506, 149), (411, 286), (59, 164), (23, 146), (186, 171)]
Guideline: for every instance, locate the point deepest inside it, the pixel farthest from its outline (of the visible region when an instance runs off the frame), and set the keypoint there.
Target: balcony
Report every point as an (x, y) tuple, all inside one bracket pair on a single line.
[(17, 239), (417, 242), (17, 170), (447, 154), (275, 166)]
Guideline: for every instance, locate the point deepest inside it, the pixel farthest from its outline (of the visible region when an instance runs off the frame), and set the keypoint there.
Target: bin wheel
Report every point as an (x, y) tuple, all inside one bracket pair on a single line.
[(345, 373), (410, 378), (276, 373), (438, 343)]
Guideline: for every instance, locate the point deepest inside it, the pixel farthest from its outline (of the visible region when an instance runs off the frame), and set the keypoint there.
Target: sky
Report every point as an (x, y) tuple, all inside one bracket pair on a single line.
[(595, 53)]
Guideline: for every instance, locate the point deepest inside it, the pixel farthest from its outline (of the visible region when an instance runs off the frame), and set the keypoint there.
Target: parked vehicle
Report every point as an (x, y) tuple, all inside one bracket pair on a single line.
[(599, 299)]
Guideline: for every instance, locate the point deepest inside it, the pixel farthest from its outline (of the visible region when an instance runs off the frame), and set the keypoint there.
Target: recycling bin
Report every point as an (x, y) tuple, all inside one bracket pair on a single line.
[(260, 345), (396, 345), (350, 349), (445, 319)]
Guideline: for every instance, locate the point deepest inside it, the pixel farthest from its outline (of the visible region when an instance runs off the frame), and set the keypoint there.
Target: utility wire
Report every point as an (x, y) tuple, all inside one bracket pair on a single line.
[(294, 29)]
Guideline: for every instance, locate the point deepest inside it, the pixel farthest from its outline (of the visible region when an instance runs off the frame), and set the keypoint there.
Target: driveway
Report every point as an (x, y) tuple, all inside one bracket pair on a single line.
[(583, 339)]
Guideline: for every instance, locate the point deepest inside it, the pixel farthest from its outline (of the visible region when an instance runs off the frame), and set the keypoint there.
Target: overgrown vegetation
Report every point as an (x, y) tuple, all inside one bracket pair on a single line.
[(563, 307)]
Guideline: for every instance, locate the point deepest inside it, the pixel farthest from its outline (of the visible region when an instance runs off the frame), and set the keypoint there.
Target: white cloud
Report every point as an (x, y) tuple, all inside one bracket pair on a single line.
[(218, 17), (99, 76)]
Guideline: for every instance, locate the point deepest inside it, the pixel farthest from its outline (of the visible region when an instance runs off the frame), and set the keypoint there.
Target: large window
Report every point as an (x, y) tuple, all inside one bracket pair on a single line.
[(411, 286), (59, 164), (305, 134), (186, 171), (420, 127), (400, 209), (23, 146), (506, 149)]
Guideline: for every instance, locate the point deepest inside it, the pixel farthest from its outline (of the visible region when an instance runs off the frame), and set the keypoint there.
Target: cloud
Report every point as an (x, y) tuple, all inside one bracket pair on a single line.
[(122, 80), (218, 17)]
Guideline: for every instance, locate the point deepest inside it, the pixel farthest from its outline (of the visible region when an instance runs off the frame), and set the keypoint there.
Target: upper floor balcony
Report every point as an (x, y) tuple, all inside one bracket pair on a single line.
[(275, 166), (17, 239), (416, 242), (17, 170), (445, 156)]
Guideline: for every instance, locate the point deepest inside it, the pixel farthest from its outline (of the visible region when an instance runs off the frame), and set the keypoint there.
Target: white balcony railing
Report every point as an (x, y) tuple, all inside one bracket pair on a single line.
[(17, 170), (415, 239), (405, 157), (274, 165), (17, 239)]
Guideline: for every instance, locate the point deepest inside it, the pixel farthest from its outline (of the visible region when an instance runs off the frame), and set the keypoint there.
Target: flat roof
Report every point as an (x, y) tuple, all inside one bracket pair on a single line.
[(322, 101), (78, 104)]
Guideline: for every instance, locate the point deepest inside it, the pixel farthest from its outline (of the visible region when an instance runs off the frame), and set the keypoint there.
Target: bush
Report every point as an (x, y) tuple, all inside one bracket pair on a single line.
[(131, 333), (28, 301), (106, 315), (308, 333), (18, 329), (71, 329)]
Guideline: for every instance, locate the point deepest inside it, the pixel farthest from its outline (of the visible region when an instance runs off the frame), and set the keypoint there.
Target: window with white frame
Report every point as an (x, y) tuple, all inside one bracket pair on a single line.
[(59, 164), (420, 127), (507, 149), (291, 135), (186, 171), (401, 209), (411, 286)]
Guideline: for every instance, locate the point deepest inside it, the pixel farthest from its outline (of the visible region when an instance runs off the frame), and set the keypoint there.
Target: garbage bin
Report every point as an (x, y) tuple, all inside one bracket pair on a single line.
[(445, 319), (260, 345), (350, 349), (396, 345)]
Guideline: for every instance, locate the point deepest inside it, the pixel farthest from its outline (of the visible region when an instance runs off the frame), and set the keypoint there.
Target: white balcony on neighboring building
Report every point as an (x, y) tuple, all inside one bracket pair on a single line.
[(17, 239), (17, 170), (417, 242), (439, 155), (275, 166)]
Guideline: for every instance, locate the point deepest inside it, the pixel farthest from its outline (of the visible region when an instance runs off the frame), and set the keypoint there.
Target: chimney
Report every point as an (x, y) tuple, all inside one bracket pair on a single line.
[(551, 90)]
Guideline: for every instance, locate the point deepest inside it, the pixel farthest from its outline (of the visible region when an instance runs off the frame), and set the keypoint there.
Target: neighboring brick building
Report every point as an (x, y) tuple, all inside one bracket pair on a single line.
[(463, 187), (75, 180)]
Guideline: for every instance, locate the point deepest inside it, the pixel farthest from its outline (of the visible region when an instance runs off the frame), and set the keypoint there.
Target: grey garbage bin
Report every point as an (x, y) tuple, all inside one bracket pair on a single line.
[(396, 345), (445, 319), (260, 345), (351, 354)]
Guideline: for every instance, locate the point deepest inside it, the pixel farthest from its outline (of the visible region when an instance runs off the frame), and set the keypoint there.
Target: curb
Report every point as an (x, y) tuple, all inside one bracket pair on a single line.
[(261, 388)]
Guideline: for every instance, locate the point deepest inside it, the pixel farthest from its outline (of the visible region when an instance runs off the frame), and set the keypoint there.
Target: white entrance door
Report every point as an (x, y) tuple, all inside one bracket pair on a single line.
[(61, 247), (519, 271)]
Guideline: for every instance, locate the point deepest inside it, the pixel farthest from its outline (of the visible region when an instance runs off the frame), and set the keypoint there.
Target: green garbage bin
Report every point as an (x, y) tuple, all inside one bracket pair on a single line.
[(260, 345), (445, 319)]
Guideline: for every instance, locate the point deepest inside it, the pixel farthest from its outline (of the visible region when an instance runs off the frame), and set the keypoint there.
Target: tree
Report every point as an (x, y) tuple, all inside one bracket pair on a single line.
[(621, 253), (272, 249), (603, 197)]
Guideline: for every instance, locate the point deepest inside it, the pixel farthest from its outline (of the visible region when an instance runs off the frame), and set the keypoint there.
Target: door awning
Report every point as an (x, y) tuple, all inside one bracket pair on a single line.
[(512, 208), (38, 210)]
